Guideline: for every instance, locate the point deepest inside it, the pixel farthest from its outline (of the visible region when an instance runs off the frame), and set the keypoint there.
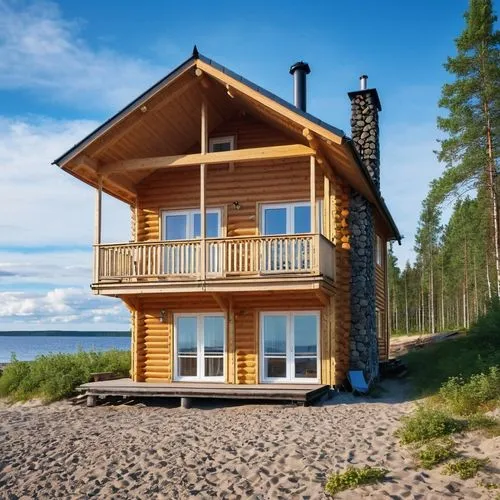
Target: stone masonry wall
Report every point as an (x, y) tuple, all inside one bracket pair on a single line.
[(365, 132), (363, 339)]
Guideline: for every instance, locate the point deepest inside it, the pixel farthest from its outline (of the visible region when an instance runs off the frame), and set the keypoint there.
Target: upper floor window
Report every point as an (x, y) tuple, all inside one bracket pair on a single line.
[(379, 250), (218, 144), (288, 218), (186, 224)]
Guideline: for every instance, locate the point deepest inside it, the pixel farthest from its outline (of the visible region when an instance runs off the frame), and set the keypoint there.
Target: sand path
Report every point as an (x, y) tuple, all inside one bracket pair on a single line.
[(267, 451)]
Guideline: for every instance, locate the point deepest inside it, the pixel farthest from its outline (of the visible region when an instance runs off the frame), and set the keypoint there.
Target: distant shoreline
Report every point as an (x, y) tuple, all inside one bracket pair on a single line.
[(62, 333)]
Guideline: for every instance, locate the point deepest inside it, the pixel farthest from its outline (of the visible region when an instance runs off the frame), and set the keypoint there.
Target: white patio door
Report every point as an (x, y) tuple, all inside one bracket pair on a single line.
[(199, 347), (289, 347), (186, 225), (282, 219)]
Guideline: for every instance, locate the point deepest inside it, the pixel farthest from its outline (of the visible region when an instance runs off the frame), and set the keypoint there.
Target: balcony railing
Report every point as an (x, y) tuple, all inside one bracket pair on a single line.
[(297, 254)]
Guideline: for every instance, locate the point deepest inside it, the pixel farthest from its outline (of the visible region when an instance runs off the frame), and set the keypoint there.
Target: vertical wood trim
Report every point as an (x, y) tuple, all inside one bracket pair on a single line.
[(256, 322), (170, 337), (313, 194), (326, 207), (133, 350), (332, 333), (231, 355), (203, 175), (97, 228)]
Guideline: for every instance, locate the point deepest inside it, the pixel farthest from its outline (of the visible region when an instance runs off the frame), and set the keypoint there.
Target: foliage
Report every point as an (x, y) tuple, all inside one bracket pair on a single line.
[(466, 397), (454, 274), (473, 353), (353, 477), (56, 376), (435, 453), (484, 422), (465, 468), (426, 424)]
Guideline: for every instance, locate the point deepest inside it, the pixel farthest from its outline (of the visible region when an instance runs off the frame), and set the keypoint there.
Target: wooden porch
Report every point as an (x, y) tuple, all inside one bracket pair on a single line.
[(298, 393)]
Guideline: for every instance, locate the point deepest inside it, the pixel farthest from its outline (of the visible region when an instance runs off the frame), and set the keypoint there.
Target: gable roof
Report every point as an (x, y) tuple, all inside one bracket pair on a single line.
[(328, 132)]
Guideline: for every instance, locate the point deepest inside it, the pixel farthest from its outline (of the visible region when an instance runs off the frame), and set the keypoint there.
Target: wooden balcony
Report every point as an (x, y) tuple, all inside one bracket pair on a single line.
[(266, 262)]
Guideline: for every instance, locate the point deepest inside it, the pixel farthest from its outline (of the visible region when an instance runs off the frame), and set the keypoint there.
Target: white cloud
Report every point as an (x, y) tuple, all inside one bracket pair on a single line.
[(40, 204), (61, 306), (40, 51)]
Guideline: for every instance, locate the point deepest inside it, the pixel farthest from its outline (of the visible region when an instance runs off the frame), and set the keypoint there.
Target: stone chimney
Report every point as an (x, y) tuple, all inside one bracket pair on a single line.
[(365, 106)]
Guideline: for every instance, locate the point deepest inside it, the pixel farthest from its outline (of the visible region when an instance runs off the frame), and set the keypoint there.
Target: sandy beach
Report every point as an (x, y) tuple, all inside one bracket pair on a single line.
[(251, 451)]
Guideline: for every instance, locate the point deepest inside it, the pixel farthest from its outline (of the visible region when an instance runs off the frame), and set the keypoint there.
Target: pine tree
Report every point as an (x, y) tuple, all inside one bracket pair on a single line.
[(473, 122)]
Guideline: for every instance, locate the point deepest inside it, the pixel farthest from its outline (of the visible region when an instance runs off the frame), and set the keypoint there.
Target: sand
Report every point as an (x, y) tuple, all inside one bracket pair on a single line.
[(252, 451)]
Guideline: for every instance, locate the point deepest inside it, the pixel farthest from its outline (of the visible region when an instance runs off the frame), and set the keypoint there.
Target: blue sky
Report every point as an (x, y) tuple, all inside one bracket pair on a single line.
[(65, 67)]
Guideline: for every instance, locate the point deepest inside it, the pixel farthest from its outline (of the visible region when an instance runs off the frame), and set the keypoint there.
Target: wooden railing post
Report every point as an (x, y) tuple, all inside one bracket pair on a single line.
[(97, 229)]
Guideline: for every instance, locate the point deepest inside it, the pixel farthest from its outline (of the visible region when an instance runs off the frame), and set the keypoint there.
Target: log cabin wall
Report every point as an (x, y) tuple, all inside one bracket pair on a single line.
[(381, 297), (152, 359), (341, 304), (248, 183)]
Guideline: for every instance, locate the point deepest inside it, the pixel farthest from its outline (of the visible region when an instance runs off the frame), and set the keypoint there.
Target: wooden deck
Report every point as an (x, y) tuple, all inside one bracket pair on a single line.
[(300, 393)]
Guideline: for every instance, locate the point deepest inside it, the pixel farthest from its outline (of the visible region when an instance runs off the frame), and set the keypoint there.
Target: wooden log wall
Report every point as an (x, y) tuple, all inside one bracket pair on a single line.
[(381, 301), (154, 344), (248, 183), (341, 315)]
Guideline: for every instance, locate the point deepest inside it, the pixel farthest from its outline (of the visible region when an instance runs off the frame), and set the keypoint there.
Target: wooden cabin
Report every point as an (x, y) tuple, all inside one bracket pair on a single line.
[(246, 216)]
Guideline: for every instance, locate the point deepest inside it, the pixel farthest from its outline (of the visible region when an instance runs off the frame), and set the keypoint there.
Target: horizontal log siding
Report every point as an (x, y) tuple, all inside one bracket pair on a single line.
[(247, 183), (381, 304), (154, 339)]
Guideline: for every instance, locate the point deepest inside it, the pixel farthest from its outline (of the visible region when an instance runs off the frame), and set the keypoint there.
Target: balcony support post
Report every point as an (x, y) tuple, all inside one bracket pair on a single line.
[(203, 175), (314, 229), (97, 228)]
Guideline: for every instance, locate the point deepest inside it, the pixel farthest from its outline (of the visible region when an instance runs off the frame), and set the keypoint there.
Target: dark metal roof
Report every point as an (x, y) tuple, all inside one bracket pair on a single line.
[(181, 68)]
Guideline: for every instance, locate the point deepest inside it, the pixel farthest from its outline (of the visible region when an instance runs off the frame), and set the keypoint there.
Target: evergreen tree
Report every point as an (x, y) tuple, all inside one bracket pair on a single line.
[(473, 102)]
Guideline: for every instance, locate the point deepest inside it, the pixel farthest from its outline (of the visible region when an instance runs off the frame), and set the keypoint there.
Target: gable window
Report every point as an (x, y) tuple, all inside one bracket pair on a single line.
[(218, 144), (379, 250)]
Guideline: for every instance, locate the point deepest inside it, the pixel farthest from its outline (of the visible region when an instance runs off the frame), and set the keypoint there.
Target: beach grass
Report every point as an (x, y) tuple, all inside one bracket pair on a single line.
[(56, 376)]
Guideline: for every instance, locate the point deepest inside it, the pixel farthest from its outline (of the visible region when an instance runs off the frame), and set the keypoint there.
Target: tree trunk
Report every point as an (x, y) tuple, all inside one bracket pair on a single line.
[(406, 304)]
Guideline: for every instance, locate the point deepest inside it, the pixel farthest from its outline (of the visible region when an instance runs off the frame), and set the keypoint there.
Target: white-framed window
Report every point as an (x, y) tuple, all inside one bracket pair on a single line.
[(217, 144), (186, 224), (288, 218), (199, 346), (289, 347), (379, 250), (379, 323)]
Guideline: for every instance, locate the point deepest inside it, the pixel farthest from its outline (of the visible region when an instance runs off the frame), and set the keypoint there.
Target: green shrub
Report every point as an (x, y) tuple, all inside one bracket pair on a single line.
[(483, 422), (353, 477), (426, 424), (465, 397), (436, 453), (56, 376), (465, 468), (465, 355)]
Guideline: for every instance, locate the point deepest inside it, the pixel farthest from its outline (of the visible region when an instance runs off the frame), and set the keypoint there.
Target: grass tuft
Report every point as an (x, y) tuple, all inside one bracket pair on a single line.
[(466, 397), (436, 453), (56, 376), (353, 477), (465, 468), (426, 424)]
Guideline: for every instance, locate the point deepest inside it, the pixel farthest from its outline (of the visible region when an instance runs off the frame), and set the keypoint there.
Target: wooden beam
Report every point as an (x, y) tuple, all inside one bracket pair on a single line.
[(97, 228), (313, 194), (322, 297), (203, 175), (235, 156), (220, 301), (267, 101), (320, 157)]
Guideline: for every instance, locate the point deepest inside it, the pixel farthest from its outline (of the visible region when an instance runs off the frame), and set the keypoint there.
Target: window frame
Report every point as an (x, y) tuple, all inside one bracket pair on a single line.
[(289, 206), (379, 257), (190, 213), (221, 140)]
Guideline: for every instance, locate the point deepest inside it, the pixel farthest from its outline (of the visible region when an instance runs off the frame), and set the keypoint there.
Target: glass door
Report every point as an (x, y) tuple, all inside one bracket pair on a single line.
[(284, 254), (199, 347), (186, 225), (290, 347)]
